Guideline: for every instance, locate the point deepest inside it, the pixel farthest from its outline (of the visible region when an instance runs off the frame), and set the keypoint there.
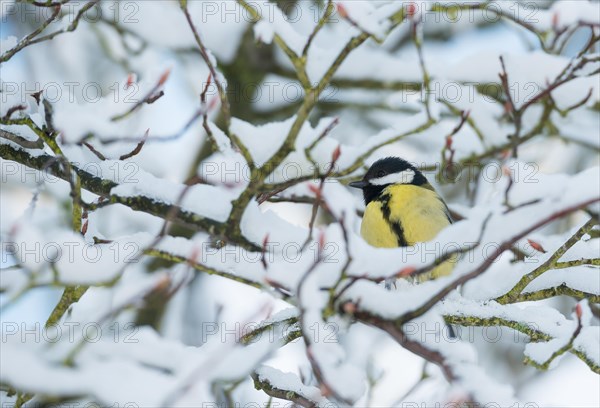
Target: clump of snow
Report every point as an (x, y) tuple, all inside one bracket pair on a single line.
[(290, 382), (264, 32), (204, 200), (7, 43)]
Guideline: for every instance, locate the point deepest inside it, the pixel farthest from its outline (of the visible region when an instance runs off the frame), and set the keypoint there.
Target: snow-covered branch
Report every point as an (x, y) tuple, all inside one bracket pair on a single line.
[(197, 220)]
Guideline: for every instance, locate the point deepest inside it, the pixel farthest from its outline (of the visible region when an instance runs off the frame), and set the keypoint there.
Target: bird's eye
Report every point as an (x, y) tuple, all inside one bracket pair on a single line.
[(380, 173)]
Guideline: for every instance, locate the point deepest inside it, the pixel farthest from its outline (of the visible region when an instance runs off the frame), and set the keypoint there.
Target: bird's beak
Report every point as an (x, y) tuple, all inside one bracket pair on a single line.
[(358, 184)]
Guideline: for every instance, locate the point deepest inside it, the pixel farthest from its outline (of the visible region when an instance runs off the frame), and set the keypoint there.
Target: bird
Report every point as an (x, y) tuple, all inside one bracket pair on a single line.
[(402, 209)]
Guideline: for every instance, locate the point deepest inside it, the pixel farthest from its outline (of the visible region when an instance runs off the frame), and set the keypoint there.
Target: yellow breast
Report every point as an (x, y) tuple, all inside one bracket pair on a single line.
[(375, 229), (405, 214), (419, 210)]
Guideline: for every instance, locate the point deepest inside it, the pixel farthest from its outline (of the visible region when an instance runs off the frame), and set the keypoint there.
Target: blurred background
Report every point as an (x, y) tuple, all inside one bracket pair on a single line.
[(84, 75)]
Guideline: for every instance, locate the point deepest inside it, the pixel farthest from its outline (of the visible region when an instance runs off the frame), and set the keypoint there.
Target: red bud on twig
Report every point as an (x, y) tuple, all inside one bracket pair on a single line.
[(555, 20), (193, 256), (14, 229), (325, 391), (449, 142), (349, 307), (406, 272), (273, 283), (341, 10), (411, 10), (131, 79), (315, 190), (336, 154), (578, 311), (536, 246), (163, 78), (321, 240), (162, 285)]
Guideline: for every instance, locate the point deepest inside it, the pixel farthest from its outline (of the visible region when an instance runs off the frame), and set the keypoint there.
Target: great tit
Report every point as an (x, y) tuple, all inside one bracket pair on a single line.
[(402, 208)]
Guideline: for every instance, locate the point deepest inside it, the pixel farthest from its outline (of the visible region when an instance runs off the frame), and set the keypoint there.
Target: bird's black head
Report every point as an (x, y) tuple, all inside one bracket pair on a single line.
[(384, 172)]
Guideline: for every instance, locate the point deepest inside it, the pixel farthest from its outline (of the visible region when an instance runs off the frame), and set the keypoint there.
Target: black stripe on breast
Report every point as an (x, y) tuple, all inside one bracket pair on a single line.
[(446, 211), (395, 225)]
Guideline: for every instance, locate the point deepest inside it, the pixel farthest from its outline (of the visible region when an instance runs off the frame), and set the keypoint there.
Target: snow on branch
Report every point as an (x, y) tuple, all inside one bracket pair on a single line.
[(221, 264)]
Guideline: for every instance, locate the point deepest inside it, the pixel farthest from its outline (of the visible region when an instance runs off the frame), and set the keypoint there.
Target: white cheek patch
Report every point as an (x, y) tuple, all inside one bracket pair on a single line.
[(404, 177)]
